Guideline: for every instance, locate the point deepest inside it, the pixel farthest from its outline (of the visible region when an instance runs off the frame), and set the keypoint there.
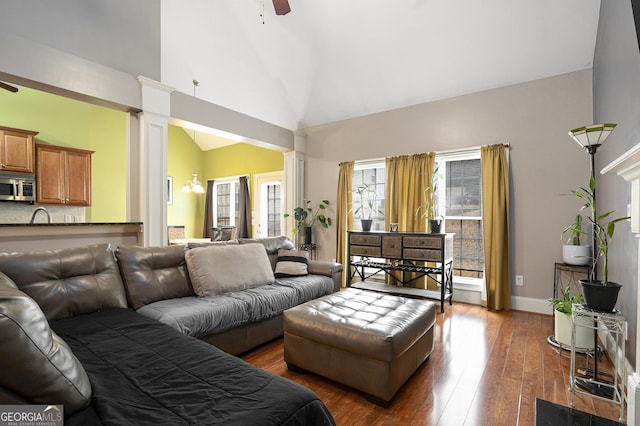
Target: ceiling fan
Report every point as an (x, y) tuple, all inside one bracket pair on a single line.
[(281, 6), (8, 87)]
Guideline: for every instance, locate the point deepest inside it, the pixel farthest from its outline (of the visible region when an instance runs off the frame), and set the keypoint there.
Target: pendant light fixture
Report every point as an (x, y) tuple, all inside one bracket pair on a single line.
[(193, 185)]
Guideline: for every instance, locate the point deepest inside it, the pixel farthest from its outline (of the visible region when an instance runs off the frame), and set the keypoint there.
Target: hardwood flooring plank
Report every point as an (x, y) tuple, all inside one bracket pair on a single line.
[(487, 368)]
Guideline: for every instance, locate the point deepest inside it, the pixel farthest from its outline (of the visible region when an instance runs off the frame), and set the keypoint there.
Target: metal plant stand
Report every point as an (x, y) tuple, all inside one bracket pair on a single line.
[(594, 385)]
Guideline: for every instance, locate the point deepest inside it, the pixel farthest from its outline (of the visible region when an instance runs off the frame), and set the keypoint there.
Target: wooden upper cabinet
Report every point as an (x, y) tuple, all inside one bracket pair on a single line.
[(17, 150), (63, 175)]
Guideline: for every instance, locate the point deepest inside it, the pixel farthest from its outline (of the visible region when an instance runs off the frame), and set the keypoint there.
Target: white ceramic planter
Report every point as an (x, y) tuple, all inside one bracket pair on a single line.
[(576, 255), (584, 336)]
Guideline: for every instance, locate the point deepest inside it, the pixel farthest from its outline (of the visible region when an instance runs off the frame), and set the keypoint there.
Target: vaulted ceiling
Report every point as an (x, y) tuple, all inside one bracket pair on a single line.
[(329, 60)]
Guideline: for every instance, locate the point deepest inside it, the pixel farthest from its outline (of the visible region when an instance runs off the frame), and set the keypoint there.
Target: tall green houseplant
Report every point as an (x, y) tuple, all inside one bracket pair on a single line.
[(308, 215), (603, 231), (600, 295)]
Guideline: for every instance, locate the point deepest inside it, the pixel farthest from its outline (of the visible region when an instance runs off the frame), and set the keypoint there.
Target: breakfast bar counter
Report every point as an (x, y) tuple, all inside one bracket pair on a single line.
[(48, 236)]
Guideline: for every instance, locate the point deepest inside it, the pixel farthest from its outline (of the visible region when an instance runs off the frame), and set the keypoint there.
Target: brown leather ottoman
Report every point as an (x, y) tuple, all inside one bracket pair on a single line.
[(370, 341)]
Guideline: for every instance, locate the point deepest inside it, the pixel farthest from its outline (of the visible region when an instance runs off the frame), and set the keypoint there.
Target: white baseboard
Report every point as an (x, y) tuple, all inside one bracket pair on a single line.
[(529, 304)]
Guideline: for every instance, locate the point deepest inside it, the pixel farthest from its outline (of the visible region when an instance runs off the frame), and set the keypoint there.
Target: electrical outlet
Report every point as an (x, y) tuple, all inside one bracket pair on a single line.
[(519, 280), (78, 219), (68, 218)]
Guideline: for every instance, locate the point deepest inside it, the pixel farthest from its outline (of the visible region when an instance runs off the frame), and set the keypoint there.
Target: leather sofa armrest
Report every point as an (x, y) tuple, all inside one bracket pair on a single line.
[(328, 269)]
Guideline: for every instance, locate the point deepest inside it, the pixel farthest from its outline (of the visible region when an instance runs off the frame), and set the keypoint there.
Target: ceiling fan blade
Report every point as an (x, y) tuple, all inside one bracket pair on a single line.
[(281, 7), (8, 87)]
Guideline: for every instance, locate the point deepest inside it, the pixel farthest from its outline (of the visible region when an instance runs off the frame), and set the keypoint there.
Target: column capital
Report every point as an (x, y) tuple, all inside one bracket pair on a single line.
[(156, 97)]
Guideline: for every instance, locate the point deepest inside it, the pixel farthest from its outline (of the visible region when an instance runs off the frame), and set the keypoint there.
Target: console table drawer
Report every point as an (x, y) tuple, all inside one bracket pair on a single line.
[(392, 247), (423, 242), (422, 254), (365, 251), (365, 240)]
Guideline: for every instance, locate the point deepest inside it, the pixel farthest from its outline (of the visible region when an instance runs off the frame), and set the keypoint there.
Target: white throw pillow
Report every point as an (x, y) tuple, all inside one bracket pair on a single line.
[(224, 268), (292, 263)]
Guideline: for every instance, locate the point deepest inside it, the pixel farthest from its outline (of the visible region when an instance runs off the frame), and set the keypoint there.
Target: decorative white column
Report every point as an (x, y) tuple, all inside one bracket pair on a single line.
[(151, 167), (293, 181)]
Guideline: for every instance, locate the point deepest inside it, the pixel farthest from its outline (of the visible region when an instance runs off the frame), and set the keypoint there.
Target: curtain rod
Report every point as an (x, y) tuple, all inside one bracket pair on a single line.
[(445, 152), (464, 150), (229, 177)]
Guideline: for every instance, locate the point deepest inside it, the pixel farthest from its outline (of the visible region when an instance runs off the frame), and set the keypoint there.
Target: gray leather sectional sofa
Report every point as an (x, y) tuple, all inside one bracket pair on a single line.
[(78, 327), (235, 320)]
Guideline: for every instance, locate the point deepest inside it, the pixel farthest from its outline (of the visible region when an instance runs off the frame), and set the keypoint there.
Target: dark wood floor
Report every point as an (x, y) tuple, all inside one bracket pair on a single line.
[(487, 368)]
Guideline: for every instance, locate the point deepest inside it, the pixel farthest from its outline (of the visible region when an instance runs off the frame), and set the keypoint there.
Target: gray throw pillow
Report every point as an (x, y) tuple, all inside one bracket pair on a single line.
[(220, 269)]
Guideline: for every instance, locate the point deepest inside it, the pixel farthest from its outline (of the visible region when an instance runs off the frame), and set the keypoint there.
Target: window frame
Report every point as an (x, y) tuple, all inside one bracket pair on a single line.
[(366, 165), (259, 199), (232, 205), (460, 282)]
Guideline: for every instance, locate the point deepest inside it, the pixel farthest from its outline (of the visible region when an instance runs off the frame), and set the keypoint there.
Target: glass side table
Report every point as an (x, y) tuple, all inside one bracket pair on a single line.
[(594, 385)]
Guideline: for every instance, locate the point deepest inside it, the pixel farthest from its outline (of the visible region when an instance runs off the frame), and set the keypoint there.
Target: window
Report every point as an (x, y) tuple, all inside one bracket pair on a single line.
[(267, 203), (273, 213), (459, 201), (460, 192), (225, 202), (373, 175)]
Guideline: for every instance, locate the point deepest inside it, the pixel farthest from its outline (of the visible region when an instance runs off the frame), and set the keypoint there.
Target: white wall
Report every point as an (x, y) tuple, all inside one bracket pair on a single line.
[(532, 117)]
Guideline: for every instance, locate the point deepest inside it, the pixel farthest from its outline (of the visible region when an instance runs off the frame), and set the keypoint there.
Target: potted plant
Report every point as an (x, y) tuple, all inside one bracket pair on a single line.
[(574, 252), (599, 295), (367, 206), (429, 206), (563, 321), (305, 217)]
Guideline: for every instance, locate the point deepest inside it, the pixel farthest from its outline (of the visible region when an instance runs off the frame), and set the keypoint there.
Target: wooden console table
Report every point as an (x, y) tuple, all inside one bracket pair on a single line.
[(419, 253)]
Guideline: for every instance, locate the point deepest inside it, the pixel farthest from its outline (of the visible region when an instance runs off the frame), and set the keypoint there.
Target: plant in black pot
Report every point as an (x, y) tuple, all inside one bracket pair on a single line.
[(366, 207), (429, 206), (308, 215), (599, 295)]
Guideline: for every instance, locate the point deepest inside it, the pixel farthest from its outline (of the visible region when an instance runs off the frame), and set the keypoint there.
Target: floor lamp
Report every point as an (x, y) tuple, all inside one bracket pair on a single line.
[(591, 138)]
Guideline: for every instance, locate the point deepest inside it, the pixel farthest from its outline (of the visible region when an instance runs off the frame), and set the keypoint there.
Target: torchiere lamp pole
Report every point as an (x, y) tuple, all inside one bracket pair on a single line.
[(591, 138)]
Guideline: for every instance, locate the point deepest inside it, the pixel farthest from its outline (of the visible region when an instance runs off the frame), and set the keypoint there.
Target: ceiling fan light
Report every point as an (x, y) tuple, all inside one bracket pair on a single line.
[(186, 187)]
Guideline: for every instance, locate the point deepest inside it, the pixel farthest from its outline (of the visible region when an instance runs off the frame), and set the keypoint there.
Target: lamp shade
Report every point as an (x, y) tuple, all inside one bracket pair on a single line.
[(593, 135)]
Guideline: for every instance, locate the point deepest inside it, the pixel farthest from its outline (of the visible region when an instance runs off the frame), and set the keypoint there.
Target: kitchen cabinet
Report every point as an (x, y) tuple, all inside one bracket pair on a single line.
[(17, 150), (63, 175)]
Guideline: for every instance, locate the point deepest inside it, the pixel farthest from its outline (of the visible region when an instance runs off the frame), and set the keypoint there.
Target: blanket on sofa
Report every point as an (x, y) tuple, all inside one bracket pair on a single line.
[(144, 372)]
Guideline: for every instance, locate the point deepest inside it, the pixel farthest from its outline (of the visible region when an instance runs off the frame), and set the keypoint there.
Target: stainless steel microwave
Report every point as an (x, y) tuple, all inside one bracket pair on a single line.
[(17, 187)]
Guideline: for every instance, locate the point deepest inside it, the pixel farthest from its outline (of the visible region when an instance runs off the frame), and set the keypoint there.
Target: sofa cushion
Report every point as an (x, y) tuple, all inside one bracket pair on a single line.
[(153, 273), (29, 349), (272, 245), (203, 316), (292, 263), (68, 282), (220, 269)]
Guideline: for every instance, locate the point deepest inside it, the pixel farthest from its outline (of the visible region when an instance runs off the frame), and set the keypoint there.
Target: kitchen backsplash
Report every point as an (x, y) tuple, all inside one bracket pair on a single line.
[(21, 213)]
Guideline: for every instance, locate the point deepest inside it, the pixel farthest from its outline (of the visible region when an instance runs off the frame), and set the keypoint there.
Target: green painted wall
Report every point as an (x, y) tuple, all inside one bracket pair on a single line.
[(187, 208), (67, 122), (242, 159), (71, 123)]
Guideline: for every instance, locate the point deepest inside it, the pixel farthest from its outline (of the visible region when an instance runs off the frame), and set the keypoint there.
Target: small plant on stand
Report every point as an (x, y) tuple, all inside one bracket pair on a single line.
[(308, 215), (429, 206), (367, 206)]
